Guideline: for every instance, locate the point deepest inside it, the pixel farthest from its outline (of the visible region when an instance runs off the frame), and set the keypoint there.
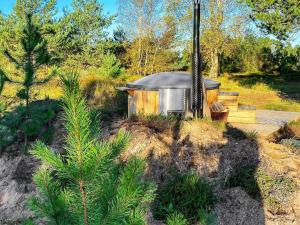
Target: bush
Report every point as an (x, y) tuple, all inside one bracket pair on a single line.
[(244, 176), (111, 66), (186, 194), (101, 93), (36, 125)]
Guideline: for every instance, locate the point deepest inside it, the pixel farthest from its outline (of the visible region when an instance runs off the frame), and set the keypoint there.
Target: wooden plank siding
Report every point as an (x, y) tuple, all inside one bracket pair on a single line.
[(211, 96), (145, 102)]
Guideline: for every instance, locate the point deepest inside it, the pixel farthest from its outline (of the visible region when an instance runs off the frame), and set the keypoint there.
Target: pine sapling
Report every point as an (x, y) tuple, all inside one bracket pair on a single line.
[(34, 56), (92, 185)]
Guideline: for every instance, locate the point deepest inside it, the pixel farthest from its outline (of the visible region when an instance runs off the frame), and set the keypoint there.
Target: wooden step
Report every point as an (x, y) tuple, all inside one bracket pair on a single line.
[(244, 114), (229, 100)]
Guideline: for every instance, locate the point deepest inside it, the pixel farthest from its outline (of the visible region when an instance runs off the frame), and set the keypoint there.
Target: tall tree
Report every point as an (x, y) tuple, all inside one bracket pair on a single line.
[(11, 31), (278, 17), (149, 29), (34, 56), (81, 30), (89, 185), (221, 21)]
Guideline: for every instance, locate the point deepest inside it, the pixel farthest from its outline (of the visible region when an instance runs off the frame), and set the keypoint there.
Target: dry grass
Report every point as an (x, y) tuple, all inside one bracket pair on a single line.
[(99, 90), (271, 92), (265, 93)]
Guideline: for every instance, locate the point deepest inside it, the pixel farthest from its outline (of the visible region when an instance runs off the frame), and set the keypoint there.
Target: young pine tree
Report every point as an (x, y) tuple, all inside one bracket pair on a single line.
[(34, 56), (89, 185)]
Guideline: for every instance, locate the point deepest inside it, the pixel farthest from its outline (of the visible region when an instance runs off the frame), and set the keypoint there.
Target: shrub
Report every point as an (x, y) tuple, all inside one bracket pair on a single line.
[(185, 194), (244, 176), (111, 66), (101, 93), (35, 125)]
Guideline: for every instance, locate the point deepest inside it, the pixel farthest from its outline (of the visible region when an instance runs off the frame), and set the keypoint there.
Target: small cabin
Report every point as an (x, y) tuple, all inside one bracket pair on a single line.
[(166, 93)]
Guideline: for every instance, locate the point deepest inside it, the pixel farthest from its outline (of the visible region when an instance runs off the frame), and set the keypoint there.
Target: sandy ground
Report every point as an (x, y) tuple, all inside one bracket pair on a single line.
[(198, 146), (215, 153)]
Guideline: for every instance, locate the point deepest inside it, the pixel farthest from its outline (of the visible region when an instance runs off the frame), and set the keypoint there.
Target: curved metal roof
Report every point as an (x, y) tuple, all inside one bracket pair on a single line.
[(171, 80)]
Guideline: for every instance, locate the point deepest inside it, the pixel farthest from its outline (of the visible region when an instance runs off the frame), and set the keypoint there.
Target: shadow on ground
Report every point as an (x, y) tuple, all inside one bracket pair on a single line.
[(286, 85), (228, 165)]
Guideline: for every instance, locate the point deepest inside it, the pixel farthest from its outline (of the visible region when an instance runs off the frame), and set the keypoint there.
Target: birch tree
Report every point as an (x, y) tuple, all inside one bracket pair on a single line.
[(147, 27)]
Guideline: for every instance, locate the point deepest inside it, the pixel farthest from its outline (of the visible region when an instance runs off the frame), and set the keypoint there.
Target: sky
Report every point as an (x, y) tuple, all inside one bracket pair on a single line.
[(110, 6)]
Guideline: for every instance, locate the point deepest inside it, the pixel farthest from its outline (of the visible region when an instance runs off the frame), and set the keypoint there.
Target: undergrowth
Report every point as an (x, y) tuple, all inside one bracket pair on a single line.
[(15, 125), (189, 195), (273, 190)]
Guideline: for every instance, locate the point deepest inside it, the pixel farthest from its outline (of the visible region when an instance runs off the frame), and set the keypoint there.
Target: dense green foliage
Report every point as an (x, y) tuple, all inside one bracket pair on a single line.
[(33, 56), (111, 66), (155, 35), (35, 122), (277, 17), (89, 185), (185, 194)]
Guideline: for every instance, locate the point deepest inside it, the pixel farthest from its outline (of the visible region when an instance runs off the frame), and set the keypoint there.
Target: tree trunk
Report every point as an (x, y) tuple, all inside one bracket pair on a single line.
[(215, 64), (84, 202)]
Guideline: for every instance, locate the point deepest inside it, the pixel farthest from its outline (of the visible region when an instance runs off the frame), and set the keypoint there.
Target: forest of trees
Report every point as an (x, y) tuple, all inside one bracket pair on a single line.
[(154, 35)]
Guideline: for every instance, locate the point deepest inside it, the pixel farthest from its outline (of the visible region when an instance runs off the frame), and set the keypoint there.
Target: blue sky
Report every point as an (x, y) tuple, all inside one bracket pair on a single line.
[(110, 6)]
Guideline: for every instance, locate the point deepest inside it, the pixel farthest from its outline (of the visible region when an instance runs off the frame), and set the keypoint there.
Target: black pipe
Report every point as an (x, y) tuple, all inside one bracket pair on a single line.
[(197, 85)]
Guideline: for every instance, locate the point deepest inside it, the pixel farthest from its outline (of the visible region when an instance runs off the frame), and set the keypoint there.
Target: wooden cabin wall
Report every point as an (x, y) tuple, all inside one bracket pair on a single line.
[(147, 102), (211, 96), (143, 102)]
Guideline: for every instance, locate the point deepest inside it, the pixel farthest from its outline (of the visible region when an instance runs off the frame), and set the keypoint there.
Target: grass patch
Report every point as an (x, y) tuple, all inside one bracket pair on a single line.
[(189, 195), (294, 123), (176, 219), (273, 92), (273, 190)]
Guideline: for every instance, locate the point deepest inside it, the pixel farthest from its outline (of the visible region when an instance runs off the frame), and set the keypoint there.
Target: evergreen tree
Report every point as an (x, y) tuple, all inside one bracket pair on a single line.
[(277, 17), (33, 57), (89, 185), (80, 31), (111, 66)]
